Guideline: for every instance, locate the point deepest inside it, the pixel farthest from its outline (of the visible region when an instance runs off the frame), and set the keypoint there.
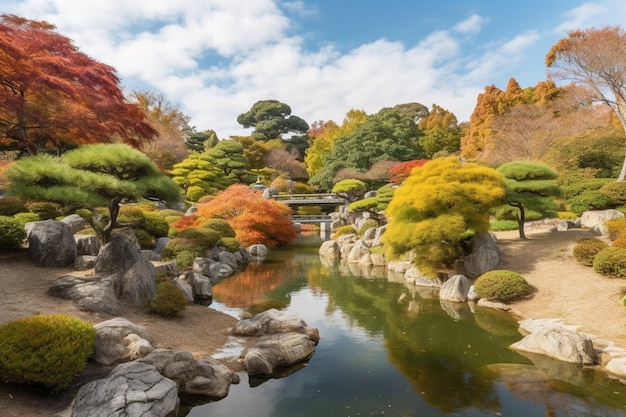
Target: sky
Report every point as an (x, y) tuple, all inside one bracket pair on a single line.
[(213, 59)]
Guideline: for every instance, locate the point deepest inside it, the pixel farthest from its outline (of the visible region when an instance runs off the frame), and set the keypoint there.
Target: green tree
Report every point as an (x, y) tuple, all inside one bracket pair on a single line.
[(271, 119), (93, 176), (389, 135), (530, 186), (200, 141), (229, 157), (436, 206), (350, 189), (440, 132), (199, 175), (595, 58)]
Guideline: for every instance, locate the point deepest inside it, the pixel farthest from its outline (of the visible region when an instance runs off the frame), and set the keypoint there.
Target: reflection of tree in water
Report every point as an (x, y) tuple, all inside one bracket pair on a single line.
[(443, 358)]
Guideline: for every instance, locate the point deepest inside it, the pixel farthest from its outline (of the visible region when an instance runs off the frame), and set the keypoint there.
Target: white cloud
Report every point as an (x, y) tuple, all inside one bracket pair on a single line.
[(472, 24)]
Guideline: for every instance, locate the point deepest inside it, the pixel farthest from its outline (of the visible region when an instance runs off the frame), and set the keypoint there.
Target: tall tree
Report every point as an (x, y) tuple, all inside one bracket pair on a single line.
[(389, 135), (92, 176), (200, 141), (595, 58), (199, 175), (228, 155), (440, 132), (530, 186), (169, 146), (435, 206), (271, 119), (52, 96)]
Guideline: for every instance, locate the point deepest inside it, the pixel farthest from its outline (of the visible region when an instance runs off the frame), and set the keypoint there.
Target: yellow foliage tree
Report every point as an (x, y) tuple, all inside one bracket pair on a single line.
[(436, 206)]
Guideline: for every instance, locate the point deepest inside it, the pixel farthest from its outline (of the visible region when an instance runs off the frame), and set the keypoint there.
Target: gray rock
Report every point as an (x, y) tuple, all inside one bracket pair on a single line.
[(558, 342), (258, 250), (370, 234), (597, 218), (484, 256), (160, 244), (273, 351), (95, 294), (75, 222), (132, 389), (455, 289), (269, 322), (617, 367), (185, 288), (201, 287), (357, 252), (84, 262), (51, 243), (330, 249), (151, 255), (166, 269), (206, 267), (212, 379), (177, 365), (133, 276), (120, 340), (87, 245)]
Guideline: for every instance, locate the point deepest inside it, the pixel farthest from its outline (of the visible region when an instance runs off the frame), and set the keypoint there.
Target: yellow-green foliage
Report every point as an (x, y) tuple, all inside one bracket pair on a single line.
[(221, 226), (611, 261), (46, 210), (169, 301), (230, 244), (184, 251), (45, 350), (12, 233), (587, 249), (502, 286), (343, 230), (566, 215), (436, 205), (368, 224), (616, 228)]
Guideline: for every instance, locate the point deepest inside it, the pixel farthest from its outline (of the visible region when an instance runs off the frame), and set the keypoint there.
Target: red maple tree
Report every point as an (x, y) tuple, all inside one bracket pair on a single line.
[(254, 218), (401, 171), (54, 96)]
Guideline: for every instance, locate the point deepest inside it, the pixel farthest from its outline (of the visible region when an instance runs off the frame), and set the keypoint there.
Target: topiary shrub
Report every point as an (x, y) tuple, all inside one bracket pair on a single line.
[(221, 226), (502, 285), (155, 225), (169, 301), (11, 205), (615, 192), (45, 209), (195, 193), (206, 238), (588, 200), (587, 249), (45, 350), (12, 233), (24, 218), (344, 230), (184, 251), (230, 244), (611, 261)]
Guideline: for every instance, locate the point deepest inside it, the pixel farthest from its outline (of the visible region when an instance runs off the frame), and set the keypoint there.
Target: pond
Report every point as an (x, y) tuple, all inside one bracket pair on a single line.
[(389, 350)]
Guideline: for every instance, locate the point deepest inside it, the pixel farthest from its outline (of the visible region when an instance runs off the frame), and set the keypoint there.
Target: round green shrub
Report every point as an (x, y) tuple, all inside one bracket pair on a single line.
[(184, 259), (230, 244), (195, 193), (615, 192), (12, 233), (145, 240), (169, 301), (588, 200), (45, 209), (155, 224), (221, 226), (502, 285), (611, 261), (587, 249), (24, 218), (11, 205), (184, 251), (206, 238), (45, 350)]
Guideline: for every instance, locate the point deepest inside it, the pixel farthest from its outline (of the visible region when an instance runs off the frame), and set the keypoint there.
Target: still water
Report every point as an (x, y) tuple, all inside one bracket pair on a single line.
[(389, 350)]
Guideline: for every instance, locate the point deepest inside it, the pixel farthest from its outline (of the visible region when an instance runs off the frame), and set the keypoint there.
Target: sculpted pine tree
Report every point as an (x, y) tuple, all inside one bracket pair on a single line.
[(92, 176), (595, 58), (54, 96), (271, 119), (530, 186), (435, 206)]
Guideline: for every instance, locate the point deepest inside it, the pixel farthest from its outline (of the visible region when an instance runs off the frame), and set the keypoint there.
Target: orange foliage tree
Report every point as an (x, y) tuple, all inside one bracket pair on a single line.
[(254, 219), (54, 96)]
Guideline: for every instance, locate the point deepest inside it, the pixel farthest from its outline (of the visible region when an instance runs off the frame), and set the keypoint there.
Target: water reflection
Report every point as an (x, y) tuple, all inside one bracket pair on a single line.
[(391, 350)]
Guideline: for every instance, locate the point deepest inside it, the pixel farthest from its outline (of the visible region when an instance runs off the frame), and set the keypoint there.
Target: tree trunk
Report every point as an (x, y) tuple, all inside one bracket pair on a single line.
[(114, 209), (521, 219)]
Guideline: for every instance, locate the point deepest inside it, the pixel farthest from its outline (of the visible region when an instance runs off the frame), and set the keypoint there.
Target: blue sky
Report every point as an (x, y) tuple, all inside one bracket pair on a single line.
[(214, 59)]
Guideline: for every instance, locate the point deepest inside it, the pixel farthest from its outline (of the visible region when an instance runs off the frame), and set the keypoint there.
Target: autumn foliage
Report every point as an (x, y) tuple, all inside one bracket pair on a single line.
[(401, 171), (54, 96), (254, 219)]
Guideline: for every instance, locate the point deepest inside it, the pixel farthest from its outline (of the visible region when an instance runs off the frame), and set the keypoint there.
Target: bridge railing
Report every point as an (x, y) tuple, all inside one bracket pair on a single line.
[(320, 196)]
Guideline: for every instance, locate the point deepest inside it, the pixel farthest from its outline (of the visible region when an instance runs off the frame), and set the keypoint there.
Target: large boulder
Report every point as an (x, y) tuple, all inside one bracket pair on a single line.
[(596, 219), (279, 350), (132, 389), (207, 377), (557, 341), (75, 222), (133, 276), (87, 245), (120, 340), (330, 249), (484, 255), (51, 243), (93, 294), (270, 321), (199, 284), (455, 289)]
